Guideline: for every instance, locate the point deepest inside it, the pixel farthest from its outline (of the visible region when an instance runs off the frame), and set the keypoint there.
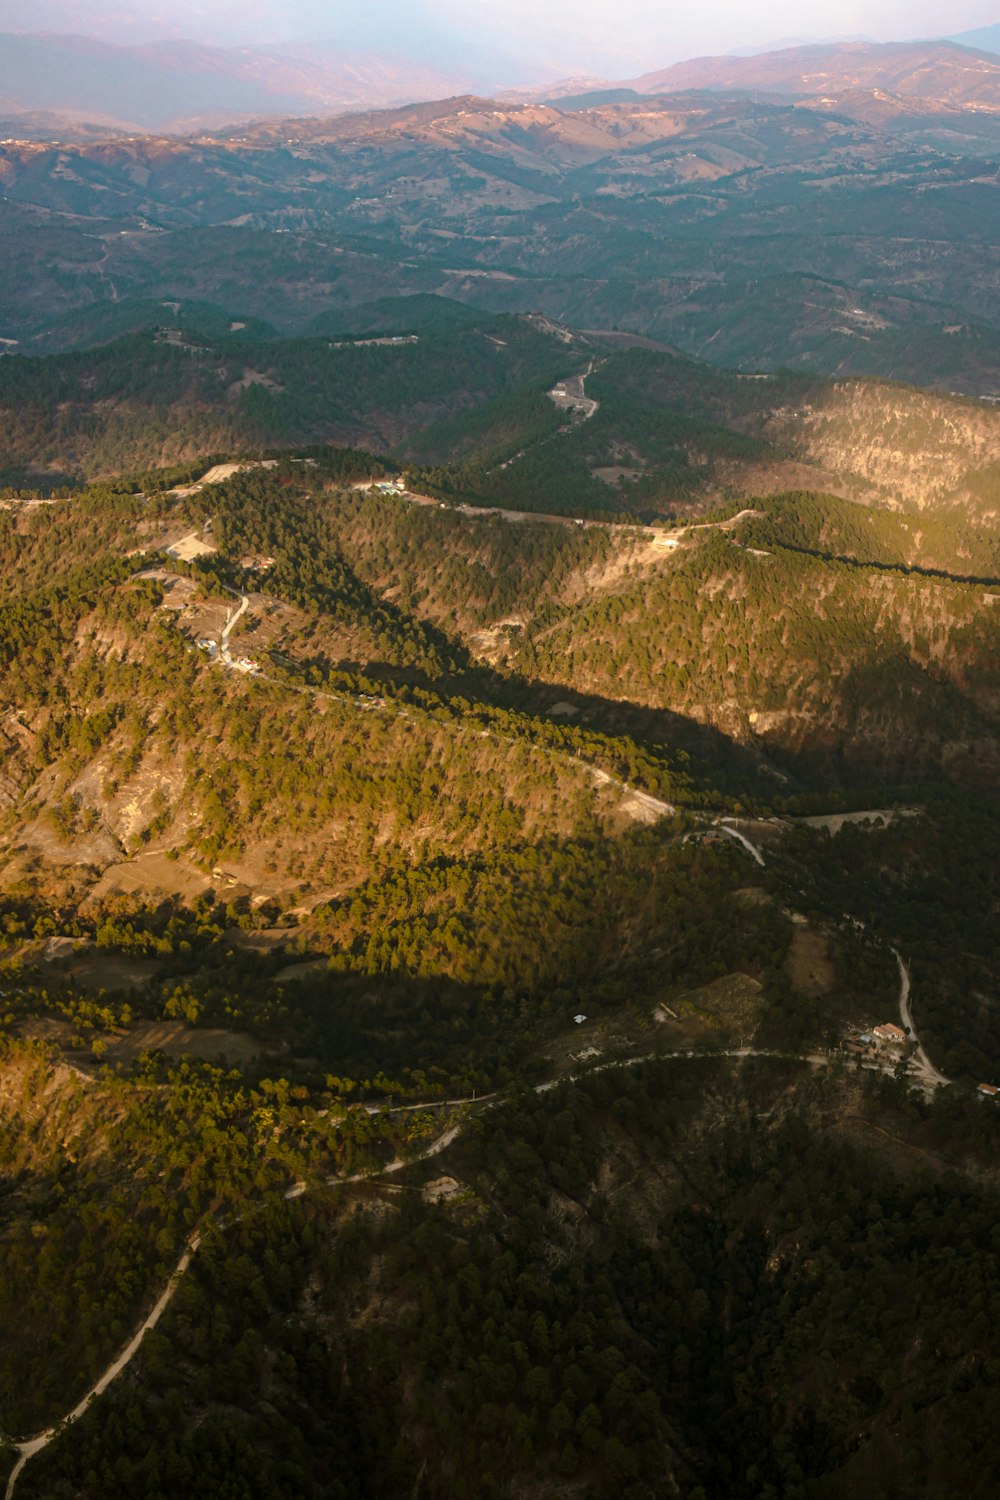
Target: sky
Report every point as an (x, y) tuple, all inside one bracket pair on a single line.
[(513, 39)]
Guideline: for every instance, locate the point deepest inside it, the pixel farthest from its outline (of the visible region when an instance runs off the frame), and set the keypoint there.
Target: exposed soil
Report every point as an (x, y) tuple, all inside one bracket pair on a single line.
[(178, 1040), (880, 817), (191, 547), (151, 874), (808, 964)]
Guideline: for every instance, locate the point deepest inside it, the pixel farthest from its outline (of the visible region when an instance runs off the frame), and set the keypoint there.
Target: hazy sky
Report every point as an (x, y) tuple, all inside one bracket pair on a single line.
[(608, 37)]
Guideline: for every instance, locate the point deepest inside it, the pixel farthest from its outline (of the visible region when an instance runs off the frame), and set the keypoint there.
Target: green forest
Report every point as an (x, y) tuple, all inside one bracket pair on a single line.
[(628, 1294), (435, 925)]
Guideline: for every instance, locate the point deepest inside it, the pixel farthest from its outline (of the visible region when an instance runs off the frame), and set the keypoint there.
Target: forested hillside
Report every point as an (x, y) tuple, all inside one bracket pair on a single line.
[(756, 232), (163, 397), (452, 897), (669, 428), (631, 1287), (462, 399)]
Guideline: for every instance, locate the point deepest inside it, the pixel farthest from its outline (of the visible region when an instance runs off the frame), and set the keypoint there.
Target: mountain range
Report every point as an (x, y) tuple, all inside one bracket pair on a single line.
[(943, 71), (499, 767), (845, 232), (182, 86)]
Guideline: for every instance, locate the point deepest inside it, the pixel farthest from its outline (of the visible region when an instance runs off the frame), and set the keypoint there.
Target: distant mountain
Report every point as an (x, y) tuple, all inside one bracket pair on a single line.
[(55, 86), (850, 233), (937, 70), (985, 38), (782, 44), (48, 125), (180, 85)]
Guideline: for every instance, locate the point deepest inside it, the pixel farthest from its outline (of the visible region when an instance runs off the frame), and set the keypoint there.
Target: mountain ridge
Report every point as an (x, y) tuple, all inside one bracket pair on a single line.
[(163, 86), (939, 70)]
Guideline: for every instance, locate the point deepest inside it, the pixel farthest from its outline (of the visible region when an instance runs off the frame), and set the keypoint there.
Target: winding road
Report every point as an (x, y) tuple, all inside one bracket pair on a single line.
[(571, 395), (929, 1076)]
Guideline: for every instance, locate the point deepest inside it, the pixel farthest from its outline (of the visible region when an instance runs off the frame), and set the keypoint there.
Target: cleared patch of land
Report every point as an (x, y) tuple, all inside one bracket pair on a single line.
[(809, 965), (191, 547), (880, 817)]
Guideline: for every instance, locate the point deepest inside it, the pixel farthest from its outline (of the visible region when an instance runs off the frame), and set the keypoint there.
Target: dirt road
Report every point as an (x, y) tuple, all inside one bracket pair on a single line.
[(26, 1450), (31, 1446), (651, 804), (571, 395), (224, 652), (725, 825), (921, 1062)]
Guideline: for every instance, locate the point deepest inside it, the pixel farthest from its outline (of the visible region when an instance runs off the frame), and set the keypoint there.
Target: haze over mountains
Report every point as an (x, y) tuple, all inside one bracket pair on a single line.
[(830, 209), (180, 85), (943, 71)]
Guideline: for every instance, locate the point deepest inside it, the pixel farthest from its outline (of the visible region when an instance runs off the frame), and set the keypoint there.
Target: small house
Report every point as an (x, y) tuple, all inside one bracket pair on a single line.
[(889, 1035)]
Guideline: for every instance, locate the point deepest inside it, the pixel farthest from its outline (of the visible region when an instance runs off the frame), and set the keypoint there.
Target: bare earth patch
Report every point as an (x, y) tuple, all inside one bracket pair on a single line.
[(191, 547), (728, 1008), (614, 474), (880, 817), (441, 1190), (178, 1040), (809, 965), (151, 875), (99, 969)]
